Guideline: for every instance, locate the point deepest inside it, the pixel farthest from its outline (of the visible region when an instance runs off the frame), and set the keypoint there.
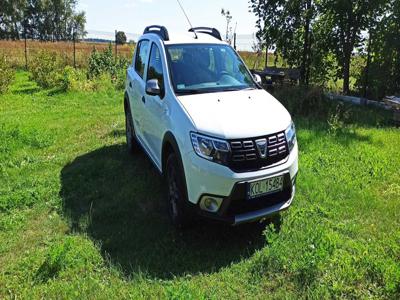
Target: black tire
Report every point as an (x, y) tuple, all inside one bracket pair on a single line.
[(129, 130), (177, 202)]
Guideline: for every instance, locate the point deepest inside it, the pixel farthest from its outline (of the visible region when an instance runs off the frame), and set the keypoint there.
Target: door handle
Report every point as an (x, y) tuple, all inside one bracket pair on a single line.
[(143, 99)]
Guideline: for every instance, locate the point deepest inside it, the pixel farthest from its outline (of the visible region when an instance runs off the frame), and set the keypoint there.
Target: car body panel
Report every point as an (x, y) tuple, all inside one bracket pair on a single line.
[(236, 114)]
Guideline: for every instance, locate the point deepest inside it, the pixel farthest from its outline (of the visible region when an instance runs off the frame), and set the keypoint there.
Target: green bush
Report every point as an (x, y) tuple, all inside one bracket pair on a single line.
[(7, 74), (76, 80), (47, 70), (106, 63)]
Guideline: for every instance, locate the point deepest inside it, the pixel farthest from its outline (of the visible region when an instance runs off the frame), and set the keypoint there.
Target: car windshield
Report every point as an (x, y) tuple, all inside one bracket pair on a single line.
[(204, 68)]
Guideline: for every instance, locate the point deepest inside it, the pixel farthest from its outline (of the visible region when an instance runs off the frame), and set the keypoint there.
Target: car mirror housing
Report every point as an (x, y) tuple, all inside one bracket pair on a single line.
[(153, 88)]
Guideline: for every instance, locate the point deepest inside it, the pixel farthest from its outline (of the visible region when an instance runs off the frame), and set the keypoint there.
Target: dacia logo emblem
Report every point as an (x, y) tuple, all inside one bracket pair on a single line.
[(262, 147)]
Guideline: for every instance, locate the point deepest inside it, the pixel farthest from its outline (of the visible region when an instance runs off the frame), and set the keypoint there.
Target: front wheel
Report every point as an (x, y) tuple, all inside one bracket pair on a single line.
[(177, 202)]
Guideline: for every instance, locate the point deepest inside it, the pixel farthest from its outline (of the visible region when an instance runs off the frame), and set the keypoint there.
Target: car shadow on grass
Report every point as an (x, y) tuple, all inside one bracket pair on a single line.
[(118, 200)]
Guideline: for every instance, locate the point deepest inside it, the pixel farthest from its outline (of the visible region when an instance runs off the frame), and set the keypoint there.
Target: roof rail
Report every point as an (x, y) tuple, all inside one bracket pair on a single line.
[(207, 30), (159, 30)]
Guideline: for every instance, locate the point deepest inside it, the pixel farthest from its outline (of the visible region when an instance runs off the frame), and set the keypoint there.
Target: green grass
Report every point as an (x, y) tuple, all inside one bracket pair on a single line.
[(79, 218)]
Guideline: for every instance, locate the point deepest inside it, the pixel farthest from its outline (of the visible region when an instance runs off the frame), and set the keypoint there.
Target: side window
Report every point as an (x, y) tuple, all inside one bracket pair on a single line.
[(155, 70), (141, 55)]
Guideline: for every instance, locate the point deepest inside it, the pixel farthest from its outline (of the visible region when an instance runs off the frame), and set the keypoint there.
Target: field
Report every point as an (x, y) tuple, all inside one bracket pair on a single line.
[(15, 51), (80, 218)]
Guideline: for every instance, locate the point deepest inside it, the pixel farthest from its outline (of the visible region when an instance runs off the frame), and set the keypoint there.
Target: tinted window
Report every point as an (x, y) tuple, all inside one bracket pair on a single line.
[(155, 70), (203, 68), (141, 55)]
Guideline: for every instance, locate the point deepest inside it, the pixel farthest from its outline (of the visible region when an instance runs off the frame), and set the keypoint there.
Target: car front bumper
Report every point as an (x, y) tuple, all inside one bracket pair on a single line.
[(207, 178)]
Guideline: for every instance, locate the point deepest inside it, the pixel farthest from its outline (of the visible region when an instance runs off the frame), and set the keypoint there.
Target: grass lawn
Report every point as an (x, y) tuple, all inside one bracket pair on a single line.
[(80, 218)]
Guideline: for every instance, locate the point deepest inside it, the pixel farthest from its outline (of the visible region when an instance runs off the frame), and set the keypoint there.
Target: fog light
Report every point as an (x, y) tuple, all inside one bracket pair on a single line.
[(210, 203)]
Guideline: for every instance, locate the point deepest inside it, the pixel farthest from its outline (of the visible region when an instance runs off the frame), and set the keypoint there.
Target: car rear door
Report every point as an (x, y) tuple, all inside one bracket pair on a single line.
[(136, 87)]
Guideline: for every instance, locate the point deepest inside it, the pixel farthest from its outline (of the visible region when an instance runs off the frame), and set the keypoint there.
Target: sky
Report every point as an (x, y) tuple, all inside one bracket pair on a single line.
[(132, 16)]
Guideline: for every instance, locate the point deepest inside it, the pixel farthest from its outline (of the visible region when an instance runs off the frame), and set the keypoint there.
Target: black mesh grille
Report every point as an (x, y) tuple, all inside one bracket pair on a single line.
[(246, 156), (245, 206)]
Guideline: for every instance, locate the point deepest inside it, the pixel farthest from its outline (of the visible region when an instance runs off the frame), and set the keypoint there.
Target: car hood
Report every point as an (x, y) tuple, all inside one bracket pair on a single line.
[(237, 114)]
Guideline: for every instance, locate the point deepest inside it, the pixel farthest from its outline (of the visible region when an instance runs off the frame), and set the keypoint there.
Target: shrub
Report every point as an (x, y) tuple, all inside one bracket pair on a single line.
[(304, 102), (106, 63), (103, 82), (6, 74), (47, 70), (75, 80)]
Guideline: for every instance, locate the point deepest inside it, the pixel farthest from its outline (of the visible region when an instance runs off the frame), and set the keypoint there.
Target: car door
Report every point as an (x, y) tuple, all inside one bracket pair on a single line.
[(156, 107), (136, 87)]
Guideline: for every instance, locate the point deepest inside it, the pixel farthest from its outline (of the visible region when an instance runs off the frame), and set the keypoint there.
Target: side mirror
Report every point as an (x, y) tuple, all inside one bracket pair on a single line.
[(152, 87), (257, 78)]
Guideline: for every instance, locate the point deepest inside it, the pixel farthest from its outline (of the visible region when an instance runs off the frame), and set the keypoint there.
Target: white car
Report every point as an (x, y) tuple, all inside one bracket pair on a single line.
[(226, 147)]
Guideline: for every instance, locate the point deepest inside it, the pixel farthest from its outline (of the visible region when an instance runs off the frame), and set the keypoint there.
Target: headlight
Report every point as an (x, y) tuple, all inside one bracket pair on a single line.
[(291, 136), (210, 148)]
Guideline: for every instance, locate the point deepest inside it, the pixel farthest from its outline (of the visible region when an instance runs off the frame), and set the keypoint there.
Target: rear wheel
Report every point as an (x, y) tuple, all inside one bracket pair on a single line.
[(130, 130), (177, 202)]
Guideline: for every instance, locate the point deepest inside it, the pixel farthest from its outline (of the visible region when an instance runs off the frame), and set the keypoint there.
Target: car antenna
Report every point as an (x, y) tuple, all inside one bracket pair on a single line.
[(195, 34)]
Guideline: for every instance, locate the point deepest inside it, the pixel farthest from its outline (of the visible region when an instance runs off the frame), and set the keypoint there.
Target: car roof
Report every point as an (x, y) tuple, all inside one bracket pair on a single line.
[(186, 38)]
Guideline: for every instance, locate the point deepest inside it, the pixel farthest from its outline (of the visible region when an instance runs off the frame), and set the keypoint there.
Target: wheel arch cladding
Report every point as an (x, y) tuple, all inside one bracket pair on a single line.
[(170, 145)]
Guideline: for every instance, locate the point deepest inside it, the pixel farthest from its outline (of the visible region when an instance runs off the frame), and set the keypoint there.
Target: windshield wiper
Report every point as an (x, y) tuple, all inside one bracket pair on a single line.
[(237, 89), (202, 91), (188, 92), (206, 91)]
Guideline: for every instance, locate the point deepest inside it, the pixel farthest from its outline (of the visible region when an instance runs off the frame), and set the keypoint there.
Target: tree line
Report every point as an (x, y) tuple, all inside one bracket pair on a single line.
[(322, 38), (45, 20)]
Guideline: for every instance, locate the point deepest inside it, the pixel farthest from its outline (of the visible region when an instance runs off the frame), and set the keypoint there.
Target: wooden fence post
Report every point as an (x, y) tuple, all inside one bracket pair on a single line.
[(116, 50), (73, 38), (26, 50)]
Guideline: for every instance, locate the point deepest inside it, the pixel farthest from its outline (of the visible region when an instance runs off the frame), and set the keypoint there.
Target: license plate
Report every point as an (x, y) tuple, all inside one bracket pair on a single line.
[(265, 186)]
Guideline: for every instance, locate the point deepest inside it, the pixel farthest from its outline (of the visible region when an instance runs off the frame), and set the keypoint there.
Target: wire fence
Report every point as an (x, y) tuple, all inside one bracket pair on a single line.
[(19, 53)]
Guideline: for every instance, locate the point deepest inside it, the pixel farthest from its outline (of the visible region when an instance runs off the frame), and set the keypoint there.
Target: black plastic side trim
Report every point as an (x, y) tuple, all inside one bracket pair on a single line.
[(169, 138)]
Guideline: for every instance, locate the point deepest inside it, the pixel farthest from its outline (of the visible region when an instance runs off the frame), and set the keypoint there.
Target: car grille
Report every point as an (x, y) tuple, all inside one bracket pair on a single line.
[(246, 156)]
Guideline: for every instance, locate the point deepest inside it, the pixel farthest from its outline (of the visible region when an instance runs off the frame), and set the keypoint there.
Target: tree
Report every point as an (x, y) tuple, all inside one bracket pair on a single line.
[(347, 21), (381, 75), (120, 38), (267, 33), (46, 20), (287, 25), (11, 14), (228, 17)]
